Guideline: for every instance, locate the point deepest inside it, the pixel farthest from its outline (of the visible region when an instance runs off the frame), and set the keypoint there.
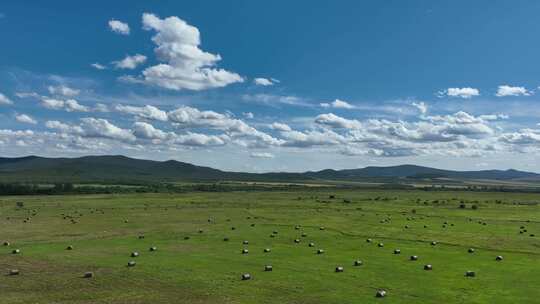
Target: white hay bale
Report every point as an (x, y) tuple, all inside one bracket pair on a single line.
[(380, 293), (268, 268), (428, 267), (358, 263), (339, 269), (246, 276)]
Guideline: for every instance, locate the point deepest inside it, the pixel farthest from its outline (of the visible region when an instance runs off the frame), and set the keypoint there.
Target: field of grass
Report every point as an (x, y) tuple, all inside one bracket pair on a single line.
[(193, 263)]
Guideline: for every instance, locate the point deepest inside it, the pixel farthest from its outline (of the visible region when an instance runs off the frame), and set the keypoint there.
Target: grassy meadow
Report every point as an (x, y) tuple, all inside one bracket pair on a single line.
[(194, 264)]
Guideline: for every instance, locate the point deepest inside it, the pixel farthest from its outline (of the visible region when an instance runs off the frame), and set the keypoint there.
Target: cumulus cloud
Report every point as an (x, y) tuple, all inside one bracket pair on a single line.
[(264, 81), (421, 106), (466, 92), (70, 105), (147, 112), (130, 62), (184, 65), (63, 90), (98, 66), (261, 155), (4, 100), (119, 27), (99, 127), (148, 131), (25, 119), (338, 104), (506, 90), (280, 127), (335, 121)]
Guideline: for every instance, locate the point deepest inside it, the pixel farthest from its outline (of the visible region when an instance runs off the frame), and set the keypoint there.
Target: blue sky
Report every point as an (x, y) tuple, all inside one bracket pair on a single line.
[(279, 86)]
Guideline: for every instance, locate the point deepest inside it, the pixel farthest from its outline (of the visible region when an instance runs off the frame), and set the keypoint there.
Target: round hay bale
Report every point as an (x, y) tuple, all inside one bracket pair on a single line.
[(470, 273), (70, 247), (14, 272), (339, 269), (266, 250), (16, 251), (268, 268), (414, 258), (201, 231), (275, 232), (380, 293), (499, 258), (368, 240), (297, 241), (246, 276), (397, 251), (252, 225), (153, 248), (433, 243), (134, 254), (131, 263), (471, 250), (406, 226), (88, 274), (320, 251), (272, 235), (126, 221), (380, 245), (245, 251), (311, 245), (297, 227), (428, 267), (6, 243), (304, 234), (245, 242), (358, 263), (322, 228)]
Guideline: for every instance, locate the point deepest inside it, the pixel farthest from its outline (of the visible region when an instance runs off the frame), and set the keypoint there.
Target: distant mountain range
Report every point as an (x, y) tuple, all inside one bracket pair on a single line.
[(123, 169)]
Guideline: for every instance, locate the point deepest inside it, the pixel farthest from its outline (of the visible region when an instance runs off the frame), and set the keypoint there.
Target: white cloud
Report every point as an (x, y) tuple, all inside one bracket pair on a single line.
[(466, 92), (261, 155), (98, 127), (63, 90), (185, 65), (338, 104), (25, 119), (100, 107), (280, 127), (130, 62), (264, 82), (248, 115), (421, 106), (148, 112), (119, 27), (505, 90), (70, 105), (148, 131), (335, 121), (98, 66), (4, 100), (270, 99)]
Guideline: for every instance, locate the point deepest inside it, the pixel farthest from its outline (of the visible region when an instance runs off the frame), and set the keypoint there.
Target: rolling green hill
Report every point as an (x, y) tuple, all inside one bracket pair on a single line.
[(123, 169)]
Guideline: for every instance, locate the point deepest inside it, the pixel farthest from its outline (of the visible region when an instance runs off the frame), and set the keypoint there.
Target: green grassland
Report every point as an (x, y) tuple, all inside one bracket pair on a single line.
[(193, 263)]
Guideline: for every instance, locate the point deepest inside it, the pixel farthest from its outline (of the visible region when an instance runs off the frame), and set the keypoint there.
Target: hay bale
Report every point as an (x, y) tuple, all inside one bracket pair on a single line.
[(134, 254), (275, 232), (414, 258), (433, 243), (16, 251), (499, 258), (381, 293), (304, 234), (311, 244), (266, 250), (322, 228), (6, 243), (470, 273), (297, 227), (245, 242), (252, 225), (358, 263), (397, 251), (201, 231), (70, 247), (246, 276), (368, 240), (471, 250), (339, 269), (272, 235), (131, 263), (13, 272), (88, 275), (245, 251), (268, 268), (380, 245), (297, 241), (428, 267), (153, 248)]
